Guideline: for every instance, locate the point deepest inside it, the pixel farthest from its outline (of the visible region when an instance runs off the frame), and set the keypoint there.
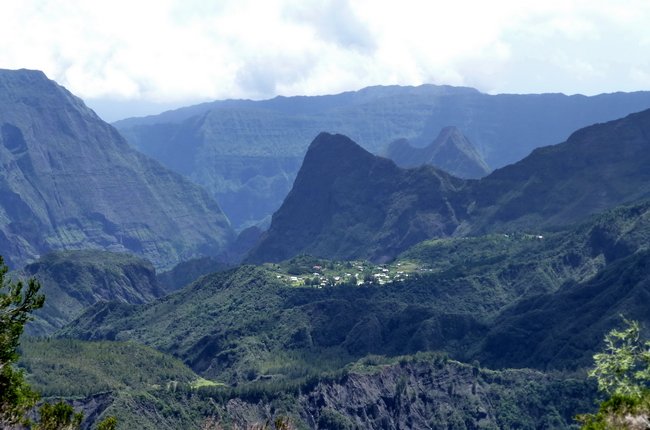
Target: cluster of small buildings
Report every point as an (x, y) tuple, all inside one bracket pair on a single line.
[(359, 274)]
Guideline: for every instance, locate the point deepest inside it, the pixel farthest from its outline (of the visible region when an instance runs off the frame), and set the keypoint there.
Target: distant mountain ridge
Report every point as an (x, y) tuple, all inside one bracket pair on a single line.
[(247, 153), (347, 203), (69, 180), (451, 151)]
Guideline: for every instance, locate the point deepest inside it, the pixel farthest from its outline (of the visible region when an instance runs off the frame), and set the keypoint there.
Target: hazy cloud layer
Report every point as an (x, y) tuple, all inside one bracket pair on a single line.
[(177, 51)]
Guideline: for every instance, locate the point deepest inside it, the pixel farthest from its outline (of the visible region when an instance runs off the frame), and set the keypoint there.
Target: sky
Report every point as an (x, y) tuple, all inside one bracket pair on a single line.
[(137, 57)]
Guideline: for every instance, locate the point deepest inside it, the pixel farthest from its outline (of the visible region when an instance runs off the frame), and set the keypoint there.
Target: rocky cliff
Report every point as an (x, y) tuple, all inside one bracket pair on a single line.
[(422, 392), (75, 280), (68, 180)]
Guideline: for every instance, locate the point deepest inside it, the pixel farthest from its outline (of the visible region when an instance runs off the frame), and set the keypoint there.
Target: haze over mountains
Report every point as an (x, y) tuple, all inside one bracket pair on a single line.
[(247, 153), (347, 203), (70, 181), (374, 286)]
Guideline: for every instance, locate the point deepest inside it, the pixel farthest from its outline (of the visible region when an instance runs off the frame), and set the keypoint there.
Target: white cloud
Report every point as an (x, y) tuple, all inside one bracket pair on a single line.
[(187, 50)]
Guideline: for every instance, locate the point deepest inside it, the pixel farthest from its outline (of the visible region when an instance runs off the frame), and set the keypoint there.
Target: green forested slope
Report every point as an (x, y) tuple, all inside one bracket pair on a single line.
[(254, 322), (68, 368), (75, 280)]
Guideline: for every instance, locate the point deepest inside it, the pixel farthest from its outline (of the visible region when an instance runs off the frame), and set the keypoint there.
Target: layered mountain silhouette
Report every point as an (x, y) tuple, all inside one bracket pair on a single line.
[(347, 203), (70, 181), (247, 153), (451, 151)]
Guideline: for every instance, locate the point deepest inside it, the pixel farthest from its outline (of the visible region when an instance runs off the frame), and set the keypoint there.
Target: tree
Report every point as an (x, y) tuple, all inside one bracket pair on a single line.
[(59, 416), (109, 423), (17, 302), (623, 373), (624, 367), (16, 305)]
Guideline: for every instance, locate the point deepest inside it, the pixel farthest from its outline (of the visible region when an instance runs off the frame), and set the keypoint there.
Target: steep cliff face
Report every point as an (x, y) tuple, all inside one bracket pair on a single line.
[(425, 392), (68, 180), (451, 151), (75, 280)]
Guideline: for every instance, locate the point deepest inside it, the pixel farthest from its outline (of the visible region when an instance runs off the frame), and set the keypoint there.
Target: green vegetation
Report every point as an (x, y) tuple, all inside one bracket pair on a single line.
[(17, 302), (110, 423), (74, 280), (16, 397), (436, 390), (72, 368), (271, 334), (307, 315), (58, 416), (623, 372), (187, 272), (624, 367)]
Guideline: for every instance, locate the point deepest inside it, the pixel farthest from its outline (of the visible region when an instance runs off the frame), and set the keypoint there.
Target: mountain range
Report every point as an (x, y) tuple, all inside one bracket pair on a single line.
[(68, 180), (247, 153), (499, 301), (347, 203), (380, 296)]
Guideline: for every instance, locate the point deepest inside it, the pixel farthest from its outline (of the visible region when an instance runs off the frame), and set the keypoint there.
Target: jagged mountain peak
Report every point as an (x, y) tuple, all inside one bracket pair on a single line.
[(335, 151), (450, 151), (347, 202)]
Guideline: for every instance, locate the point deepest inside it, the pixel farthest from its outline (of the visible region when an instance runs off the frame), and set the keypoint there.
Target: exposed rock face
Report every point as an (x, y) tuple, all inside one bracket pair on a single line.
[(428, 395), (247, 153), (75, 280), (451, 151), (68, 180), (421, 395), (349, 203)]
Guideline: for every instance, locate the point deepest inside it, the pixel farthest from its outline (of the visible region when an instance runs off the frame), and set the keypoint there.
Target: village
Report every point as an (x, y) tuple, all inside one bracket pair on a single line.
[(324, 274), (307, 271)]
